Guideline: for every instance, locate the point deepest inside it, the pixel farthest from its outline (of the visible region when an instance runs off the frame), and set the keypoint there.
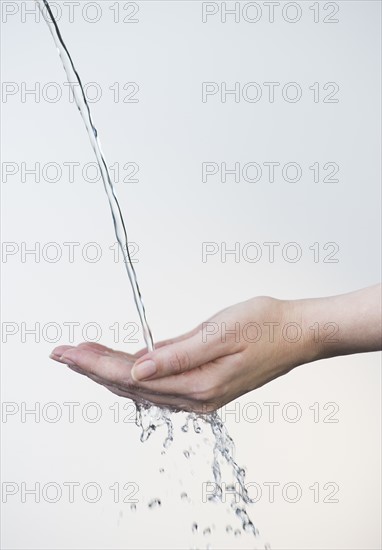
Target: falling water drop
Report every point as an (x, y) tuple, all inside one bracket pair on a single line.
[(155, 503)]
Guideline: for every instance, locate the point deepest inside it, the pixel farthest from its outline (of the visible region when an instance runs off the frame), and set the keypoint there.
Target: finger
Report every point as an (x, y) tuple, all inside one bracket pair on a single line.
[(97, 348), (115, 370), (176, 358), (167, 342), (187, 392), (201, 386), (163, 399), (112, 367), (58, 352)]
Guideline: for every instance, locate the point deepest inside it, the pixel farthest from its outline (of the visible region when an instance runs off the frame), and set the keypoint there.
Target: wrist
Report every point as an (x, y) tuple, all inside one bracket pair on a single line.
[(290, 333), (319, 332), (305, 321)]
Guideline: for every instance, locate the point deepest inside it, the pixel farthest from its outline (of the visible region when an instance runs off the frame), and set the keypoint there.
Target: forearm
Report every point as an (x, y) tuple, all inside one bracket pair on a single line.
[(341, 325)]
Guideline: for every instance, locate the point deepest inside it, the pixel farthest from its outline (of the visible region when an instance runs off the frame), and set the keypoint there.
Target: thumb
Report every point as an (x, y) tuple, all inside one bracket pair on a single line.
[(175, 358)]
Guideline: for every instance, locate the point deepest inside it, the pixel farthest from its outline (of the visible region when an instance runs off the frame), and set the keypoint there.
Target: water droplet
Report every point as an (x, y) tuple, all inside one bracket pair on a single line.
[(197, 428), (194, 527), (155, 503), (133, 507), (207, 531), (186, 454), (161, 470), (237, 533), (228, 529), (168, 442), (183, 496)]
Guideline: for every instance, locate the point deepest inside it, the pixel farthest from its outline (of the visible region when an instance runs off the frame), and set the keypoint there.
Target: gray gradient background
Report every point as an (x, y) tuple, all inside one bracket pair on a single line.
[(170, 212)]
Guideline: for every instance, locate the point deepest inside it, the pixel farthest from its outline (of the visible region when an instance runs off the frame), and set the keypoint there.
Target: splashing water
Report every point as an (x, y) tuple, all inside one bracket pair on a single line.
[(148, 416)]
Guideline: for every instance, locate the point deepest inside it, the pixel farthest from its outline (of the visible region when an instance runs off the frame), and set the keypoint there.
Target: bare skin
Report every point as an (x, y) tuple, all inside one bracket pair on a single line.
[(236, 351)]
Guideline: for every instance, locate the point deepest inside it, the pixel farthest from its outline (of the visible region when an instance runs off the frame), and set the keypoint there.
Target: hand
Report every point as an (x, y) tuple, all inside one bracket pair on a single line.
[(239, 349), (215, 363)]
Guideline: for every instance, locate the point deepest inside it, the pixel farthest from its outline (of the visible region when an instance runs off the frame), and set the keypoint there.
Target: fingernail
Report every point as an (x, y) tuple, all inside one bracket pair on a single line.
[(144, 370)]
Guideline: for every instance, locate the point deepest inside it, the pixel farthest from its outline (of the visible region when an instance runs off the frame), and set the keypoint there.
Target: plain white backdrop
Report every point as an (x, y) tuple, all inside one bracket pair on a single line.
[(169, 213)]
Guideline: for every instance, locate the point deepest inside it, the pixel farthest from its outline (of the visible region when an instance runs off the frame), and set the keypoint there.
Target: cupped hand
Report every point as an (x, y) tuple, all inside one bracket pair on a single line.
[(237, 350)]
